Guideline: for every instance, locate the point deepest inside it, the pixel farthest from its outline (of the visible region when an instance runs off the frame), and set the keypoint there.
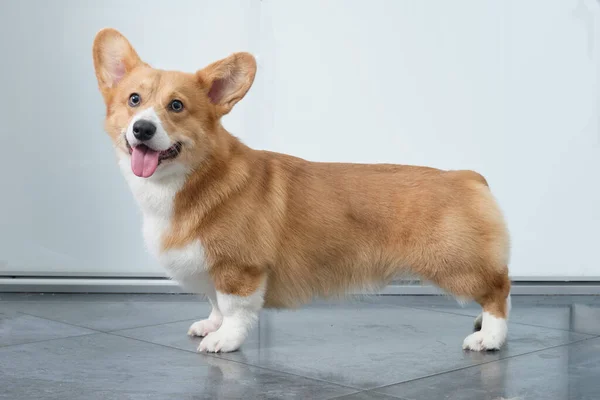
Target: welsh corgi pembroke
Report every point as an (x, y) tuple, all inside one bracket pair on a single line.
[(252, 229)]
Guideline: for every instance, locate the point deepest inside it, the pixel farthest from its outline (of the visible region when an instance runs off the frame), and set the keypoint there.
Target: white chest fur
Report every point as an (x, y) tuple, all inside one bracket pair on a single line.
[(155, 196)]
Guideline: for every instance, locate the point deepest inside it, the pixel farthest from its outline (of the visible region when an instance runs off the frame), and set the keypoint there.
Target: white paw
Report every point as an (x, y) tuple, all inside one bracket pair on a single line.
[(223, 340), (204, 327), (480, 341)]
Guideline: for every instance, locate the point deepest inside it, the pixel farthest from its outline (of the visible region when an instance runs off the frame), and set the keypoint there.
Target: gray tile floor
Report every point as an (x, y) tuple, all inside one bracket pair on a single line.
[(381, 347)]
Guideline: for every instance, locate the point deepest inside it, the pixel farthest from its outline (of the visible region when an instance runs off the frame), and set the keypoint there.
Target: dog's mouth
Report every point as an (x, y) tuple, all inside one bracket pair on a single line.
[(145, 160)]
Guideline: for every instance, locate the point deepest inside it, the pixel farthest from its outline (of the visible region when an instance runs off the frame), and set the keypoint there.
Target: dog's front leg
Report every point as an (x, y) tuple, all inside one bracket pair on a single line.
[(240, 296), (213, 322)]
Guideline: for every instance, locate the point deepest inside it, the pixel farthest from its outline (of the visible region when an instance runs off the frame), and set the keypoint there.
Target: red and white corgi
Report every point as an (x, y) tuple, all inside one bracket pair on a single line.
[(252, 229)]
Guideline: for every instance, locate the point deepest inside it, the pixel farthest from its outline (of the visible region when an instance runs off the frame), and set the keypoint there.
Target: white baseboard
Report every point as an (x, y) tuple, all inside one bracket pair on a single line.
[(122, 285), (87, 285)]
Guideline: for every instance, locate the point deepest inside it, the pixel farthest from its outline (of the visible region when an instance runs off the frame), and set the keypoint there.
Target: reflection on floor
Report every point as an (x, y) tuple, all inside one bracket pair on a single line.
[(382, 347)]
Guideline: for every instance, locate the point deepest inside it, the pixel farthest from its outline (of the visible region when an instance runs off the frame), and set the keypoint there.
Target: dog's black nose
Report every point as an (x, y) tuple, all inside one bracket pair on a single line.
[(143, 129)]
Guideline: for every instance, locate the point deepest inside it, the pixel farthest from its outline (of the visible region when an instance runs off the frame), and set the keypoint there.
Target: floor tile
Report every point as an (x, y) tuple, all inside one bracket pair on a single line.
[(104, 366), (575, 313), (564, 373), (16, 328), (325, 350), (107, 316), (576, 317), (362, 346)]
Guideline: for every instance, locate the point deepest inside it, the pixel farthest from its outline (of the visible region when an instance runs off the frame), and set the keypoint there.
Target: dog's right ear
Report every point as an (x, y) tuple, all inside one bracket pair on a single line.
[(114, 57)]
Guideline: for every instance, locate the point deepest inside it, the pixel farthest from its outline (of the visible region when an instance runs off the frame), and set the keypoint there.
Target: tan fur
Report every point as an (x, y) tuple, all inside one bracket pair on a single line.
[(313, 229)]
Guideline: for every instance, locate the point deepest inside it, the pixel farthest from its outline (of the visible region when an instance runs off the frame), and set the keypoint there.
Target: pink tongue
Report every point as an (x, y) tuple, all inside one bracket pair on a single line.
[(144, 161)]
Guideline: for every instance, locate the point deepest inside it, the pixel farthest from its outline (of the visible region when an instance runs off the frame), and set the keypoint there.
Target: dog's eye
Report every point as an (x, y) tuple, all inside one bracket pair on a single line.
[(134, 100), (176, 105)]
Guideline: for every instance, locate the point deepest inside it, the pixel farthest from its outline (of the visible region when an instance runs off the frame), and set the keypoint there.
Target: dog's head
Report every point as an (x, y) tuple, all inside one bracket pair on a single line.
[(159, 118)]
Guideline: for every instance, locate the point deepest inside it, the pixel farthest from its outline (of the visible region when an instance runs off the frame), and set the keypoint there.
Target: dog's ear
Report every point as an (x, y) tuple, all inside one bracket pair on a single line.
[(227, 81), (114, 57)]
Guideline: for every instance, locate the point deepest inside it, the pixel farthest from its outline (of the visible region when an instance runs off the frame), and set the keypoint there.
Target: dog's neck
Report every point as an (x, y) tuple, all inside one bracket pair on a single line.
[(226, 172)]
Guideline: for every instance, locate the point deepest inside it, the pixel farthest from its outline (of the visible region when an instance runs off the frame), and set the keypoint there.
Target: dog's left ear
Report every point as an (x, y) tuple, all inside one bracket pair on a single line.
[(227, 81), (114, 58)]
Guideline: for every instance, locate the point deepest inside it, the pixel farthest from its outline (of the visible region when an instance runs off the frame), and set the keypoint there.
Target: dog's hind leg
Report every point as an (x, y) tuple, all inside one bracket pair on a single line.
[(478, 322), (493, 321)]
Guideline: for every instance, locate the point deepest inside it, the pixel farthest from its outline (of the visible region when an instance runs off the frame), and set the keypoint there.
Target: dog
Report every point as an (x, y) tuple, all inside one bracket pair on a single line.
[(252, 229)]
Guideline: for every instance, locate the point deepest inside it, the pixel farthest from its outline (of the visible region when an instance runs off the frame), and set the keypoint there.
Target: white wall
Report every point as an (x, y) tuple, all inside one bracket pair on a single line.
[(509, 88)]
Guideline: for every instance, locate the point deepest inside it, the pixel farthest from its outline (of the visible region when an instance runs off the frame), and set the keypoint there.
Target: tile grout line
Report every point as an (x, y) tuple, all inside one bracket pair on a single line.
[(61, 322), (475, 316), (4, 346), (393, 305), (483, 363), (385, 304), (101, 331), (212, 355), (152, 325), (342, 397), (509, 320)]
